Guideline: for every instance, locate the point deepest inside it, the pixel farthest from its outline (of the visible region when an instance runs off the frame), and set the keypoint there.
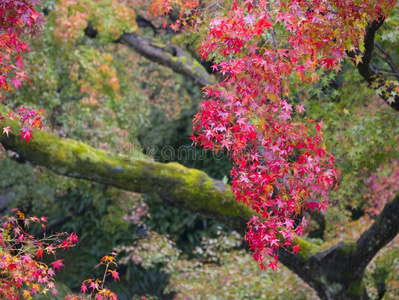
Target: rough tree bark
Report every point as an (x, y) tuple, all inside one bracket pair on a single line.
[(335, 273)]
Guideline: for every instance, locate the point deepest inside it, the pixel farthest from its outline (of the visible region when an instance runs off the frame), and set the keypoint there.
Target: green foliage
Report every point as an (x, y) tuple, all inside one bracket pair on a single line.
[(21, 186), (160, 133), (360, 130), (188, 232), (227, 273), (87, 92), (389, 32)]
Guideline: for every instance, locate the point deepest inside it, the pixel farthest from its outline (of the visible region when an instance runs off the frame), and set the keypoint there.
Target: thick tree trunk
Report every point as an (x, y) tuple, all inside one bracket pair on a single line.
[(337, 278)]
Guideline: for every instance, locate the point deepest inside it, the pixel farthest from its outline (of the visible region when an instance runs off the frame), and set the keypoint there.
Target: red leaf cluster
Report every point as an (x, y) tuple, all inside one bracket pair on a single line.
[(17, 19)]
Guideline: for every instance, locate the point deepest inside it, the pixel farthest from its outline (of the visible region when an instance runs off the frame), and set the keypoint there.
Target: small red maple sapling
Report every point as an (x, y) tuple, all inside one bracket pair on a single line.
[(21, 268), (96, 287)]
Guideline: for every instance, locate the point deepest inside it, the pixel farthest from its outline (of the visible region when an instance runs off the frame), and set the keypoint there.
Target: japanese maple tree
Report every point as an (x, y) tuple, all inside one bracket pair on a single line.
[(262, 51), (281, 165)]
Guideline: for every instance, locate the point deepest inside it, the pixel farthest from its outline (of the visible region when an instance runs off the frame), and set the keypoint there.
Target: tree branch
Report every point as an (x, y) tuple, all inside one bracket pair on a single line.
[(370, 74), (388, 59), (170, 56), (172, 182), (343, 265), (175, 184), (383, 230), (194, 190)]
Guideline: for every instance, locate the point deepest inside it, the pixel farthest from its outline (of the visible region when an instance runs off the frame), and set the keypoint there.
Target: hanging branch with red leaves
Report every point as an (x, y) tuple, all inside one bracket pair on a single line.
[(281, 165)]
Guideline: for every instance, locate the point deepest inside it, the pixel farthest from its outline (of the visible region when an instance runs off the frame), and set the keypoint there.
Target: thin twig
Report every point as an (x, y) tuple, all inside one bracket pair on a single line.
[(388, 59)]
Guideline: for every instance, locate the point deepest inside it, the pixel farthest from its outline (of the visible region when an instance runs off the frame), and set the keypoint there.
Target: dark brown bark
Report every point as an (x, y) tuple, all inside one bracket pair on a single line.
[(371, 74)]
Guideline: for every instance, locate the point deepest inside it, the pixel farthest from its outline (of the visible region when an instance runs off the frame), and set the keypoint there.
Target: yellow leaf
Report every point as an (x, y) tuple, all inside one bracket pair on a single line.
[(358, 59)]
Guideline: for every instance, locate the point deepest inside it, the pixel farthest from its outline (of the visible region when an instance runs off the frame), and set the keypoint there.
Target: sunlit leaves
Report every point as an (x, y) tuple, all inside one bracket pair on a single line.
[(109, 17)]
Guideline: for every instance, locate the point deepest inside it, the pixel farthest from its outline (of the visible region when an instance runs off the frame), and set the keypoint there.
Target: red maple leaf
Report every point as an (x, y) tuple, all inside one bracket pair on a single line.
[(296, 248), (26, 135), (93, 285), (272, 265), (57, 264), (83, 288), (39, 254), (114, 274), (16, 82)]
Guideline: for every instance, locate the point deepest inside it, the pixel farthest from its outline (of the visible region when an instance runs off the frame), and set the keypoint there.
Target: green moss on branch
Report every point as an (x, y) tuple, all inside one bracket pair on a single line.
[(172, 182)]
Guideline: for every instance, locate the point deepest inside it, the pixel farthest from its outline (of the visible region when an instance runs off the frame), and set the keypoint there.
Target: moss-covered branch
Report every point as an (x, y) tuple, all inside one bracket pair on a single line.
[(170, 56), (172, 182), (175, 184), (342, 266)]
